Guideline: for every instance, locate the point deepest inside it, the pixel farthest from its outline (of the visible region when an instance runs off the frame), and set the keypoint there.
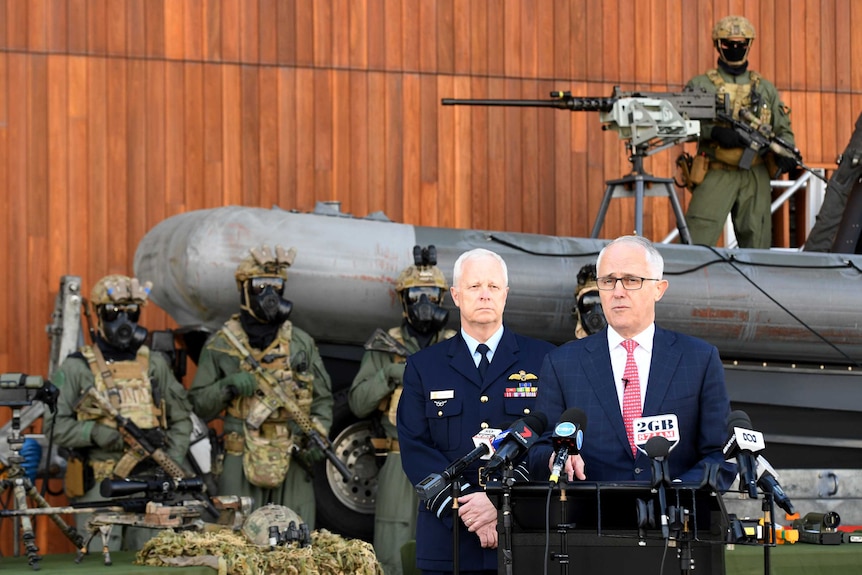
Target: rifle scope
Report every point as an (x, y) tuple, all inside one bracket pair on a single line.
[(153, 487)]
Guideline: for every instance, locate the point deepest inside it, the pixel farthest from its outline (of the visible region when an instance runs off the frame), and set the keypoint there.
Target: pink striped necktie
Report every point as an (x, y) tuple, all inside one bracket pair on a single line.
[(632, 395)]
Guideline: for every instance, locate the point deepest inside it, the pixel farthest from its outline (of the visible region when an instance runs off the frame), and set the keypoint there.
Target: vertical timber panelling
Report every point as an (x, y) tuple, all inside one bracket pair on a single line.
[(115, 114)]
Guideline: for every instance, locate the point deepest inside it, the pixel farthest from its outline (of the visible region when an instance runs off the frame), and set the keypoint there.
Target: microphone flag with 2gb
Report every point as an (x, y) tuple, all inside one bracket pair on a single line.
[(515, 441), (656, 436), (568, 438), (743, 443)]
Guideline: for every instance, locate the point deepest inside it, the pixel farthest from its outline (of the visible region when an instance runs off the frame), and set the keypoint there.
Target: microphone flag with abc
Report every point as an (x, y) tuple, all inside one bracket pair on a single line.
[(568, 438)]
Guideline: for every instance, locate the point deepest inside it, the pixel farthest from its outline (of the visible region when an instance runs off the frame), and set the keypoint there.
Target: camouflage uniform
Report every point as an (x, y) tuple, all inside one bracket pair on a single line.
[(293, 359), (727, 189), (135, 373), (376, 389)]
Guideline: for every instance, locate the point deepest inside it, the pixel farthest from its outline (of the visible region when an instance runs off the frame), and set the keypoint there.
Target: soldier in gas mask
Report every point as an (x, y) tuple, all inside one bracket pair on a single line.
[(267, 460), (377, 388), (588, 313), (139, 382)]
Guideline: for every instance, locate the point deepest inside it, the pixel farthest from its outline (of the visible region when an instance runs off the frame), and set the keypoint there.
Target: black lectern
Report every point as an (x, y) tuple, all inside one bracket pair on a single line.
[(605, 528)]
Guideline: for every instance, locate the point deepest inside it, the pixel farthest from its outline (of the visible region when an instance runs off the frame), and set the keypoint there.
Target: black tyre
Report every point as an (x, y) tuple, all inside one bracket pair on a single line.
[(346, 506)]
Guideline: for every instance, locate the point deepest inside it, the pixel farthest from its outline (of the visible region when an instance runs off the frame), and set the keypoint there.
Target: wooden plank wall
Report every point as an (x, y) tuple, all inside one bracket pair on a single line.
[(115, 114)]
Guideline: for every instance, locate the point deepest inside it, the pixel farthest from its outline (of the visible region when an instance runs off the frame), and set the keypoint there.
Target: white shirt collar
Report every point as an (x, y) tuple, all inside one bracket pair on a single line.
[(644, 338), (492, 343)]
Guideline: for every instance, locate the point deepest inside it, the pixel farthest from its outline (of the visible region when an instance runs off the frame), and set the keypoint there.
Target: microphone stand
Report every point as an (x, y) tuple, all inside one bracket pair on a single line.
[(768, 507), (563, 530), (455, 491), (660, 476), (507, 481)]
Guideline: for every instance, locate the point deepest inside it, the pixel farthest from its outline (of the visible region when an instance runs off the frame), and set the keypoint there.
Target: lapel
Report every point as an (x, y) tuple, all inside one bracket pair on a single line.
[(665, 359), (461, 361), (598, 368)]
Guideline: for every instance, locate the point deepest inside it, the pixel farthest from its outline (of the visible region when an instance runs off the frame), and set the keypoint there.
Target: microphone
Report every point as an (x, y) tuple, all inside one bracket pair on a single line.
[(568, 438), (435, 483), (743, 443), (657, 449), (767, 480), (516, 440)]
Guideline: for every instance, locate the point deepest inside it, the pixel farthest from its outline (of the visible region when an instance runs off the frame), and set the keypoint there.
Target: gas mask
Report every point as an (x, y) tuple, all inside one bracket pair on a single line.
[(264, 299), (588, 304), (120, 326), (424, 315)]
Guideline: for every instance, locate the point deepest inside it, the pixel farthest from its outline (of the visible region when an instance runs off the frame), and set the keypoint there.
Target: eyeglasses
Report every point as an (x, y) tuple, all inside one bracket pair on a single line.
[(414, 294), (608, 283), (259, 284), (110, 312)]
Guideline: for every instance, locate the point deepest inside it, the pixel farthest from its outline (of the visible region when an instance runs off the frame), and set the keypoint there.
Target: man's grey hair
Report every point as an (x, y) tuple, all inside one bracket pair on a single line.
[(654, 260), (476, 254)]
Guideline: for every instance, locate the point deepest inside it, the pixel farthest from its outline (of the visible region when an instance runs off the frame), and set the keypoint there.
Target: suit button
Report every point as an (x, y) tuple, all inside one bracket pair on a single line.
[(638, 470), (439, 414), (484, 399), (526, 411), (484, 425)]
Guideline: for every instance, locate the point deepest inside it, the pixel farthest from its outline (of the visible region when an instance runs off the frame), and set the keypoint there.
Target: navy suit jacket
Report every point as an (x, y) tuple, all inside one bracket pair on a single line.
[(443, 404), (686, 378)]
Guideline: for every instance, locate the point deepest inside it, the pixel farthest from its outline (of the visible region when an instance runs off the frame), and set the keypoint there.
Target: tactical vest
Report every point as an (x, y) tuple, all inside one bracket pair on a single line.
[(739, 96), (275, 359), (390, 404), (131, 385)]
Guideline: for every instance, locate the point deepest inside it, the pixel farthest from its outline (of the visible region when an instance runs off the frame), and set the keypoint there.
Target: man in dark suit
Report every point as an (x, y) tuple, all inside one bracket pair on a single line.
[(665, 373), (446, 401)]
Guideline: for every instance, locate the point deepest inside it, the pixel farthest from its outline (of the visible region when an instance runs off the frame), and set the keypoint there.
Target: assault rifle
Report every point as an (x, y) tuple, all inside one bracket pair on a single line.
[(140, 443), (759, 138), (648, 121), (271, 396)]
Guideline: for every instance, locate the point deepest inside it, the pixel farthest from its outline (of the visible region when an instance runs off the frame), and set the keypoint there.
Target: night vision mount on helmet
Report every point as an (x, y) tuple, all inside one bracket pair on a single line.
[(116, 289), (263, 261)]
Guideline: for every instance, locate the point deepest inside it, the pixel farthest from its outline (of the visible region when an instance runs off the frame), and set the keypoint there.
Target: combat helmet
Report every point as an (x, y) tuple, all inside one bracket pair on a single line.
[(733, 27), (256, 526), (424, 271), (733, 53), (264, 262), (119, 289)]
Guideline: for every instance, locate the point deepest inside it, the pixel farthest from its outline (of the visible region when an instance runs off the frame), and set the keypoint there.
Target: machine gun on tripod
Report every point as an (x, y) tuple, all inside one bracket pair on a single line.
[(648, 122)]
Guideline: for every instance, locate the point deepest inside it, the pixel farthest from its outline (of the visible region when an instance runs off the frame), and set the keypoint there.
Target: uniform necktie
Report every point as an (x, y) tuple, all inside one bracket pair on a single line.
[(632, 394), (483, 362)]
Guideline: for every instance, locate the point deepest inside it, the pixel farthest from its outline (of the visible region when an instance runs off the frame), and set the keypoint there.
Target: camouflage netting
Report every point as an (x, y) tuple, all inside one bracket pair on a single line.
[(231, 554)]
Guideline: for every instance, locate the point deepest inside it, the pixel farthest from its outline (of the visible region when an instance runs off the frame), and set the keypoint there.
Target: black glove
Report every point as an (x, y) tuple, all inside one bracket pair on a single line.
[(786, 164), (726, 137)]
